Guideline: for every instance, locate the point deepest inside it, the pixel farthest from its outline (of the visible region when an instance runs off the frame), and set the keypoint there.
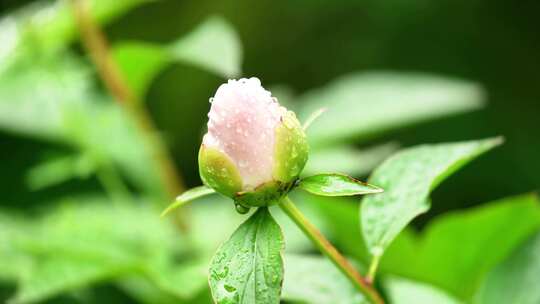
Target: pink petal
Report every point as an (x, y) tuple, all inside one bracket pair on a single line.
[(242, 122)]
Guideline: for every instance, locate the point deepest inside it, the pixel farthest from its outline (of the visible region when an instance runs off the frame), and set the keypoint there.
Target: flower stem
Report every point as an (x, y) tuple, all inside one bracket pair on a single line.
[(97, 46), (330, 251)]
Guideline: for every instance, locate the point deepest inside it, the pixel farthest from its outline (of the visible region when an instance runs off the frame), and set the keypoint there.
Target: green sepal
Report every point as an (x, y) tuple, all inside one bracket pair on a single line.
[(264, 195), (291, 149), (218, 171)]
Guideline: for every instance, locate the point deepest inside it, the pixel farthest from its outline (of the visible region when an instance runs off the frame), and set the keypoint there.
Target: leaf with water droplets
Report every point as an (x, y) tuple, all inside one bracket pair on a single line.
[(407, 178), (248, 268), (187, 196), (335, 184)]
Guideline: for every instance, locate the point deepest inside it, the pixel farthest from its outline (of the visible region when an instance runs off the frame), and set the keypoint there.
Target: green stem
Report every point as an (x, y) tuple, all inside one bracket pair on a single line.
[(373, 268), (330, 251)]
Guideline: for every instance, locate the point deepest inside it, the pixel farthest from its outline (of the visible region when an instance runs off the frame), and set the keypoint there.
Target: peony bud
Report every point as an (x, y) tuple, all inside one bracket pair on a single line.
[(254, 149)]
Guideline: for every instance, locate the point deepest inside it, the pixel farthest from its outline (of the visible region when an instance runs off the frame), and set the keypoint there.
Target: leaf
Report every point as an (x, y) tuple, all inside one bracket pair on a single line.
[(335, 184), (37, 110), (213, 46), (312, 117), (408, 177), (515, 280), (403, 291), (58, 170), (86, 241), (140, 63), (464, 245), (314, 280), (364, 105), (248, 268), (48, 26), (188, 196), (50, 277), (348, 159)]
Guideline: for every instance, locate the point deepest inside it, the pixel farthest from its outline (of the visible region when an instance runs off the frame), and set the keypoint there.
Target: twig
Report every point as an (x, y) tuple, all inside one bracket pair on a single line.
[(330, 251)]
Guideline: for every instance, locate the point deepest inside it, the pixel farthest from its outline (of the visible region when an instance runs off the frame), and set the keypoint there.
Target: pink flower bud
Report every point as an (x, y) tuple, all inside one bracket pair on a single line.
[(242, 122), (251, 140)]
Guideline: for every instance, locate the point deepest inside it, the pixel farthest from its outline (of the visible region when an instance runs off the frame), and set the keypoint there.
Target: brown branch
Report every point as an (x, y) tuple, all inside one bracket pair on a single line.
[(97, 47)]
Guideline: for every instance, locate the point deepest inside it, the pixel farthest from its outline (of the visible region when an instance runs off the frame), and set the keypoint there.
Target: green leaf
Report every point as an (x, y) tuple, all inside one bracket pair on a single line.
[(515, 280), (88, 240), (312, 117), (56, 275), (403, 291), (213, 46), (48, 26), (140, 63), (363, 105), (348, 159), (335, 184), (37, 110), (188, 196), (58, 170), (248, 268), (408, 177), (464, 245), (314, 280)]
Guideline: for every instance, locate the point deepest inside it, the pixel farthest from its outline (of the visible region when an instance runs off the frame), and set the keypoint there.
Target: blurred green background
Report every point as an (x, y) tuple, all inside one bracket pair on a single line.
[(299, 45), (305, 44)]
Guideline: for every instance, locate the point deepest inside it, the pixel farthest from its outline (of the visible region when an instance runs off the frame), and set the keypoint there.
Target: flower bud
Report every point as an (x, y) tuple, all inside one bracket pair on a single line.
[(254, 149)]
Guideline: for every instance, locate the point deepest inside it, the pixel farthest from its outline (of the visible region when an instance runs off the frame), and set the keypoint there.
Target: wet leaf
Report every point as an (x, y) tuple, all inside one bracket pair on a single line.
[(335, 184), (407, 178), (248, 268)]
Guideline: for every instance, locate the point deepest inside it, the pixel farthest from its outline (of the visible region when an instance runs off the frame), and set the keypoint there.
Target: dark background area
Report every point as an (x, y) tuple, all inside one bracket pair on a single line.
[(306, 44)]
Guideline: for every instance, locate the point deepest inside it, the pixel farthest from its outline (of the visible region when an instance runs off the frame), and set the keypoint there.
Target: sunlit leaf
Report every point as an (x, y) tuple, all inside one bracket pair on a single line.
[(213, 46), (464, 245), (407, 178), (368, 104), (515, 280), (87, 241), (188, 196), (248, 268), (48, 26), (34, 95), (53, 276), (403, 291), (314, 280), (347, 159), (335, 184), (58, 170), (140, 63)]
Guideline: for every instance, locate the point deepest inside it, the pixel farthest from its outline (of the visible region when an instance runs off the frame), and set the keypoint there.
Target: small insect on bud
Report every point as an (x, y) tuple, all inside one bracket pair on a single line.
[(255, 149)]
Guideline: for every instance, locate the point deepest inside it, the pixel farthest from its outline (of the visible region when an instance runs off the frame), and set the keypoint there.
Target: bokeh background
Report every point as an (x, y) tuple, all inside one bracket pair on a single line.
[(299, 45)]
